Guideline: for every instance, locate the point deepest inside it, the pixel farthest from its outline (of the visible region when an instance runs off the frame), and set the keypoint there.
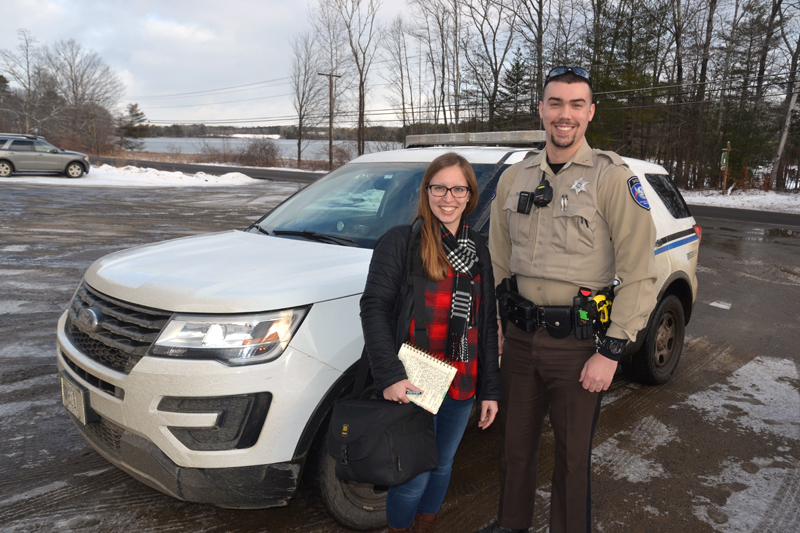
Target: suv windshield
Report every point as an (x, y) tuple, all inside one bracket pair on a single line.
[(360, 201)]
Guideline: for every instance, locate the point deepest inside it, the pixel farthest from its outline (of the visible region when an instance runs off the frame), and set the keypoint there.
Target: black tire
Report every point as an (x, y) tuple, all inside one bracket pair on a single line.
[(356, 506), (74, 170), (5, 169), (657, 359)]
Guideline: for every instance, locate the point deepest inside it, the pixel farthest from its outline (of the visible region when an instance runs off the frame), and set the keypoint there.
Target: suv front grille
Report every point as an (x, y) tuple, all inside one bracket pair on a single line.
[(123, 333)]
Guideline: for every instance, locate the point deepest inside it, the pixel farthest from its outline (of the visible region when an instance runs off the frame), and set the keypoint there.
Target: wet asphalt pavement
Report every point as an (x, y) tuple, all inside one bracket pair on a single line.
[(715, 449)]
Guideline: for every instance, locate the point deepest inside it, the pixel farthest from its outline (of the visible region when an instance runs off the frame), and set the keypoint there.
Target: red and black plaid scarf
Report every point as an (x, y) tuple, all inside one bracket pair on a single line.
[(463, 257)]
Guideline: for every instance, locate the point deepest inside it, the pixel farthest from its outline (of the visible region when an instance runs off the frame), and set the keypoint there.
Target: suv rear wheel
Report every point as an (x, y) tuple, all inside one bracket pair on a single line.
[(656, 360), (5, 169), (74, 170)]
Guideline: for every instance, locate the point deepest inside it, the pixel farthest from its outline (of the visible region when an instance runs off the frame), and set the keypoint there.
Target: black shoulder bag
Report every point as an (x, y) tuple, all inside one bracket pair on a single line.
[(378, 441)]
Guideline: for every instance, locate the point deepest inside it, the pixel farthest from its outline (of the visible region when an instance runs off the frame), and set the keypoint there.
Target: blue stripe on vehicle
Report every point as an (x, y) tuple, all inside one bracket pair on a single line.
[(676, 244)]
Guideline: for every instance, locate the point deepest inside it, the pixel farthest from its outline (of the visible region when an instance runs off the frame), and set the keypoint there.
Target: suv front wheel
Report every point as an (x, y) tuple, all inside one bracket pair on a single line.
[(74, 170), (5, 169), (359, 506), (656, 360)]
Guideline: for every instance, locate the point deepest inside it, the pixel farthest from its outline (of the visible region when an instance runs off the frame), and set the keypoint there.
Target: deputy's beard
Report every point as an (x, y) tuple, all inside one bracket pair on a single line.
[(562, 142)]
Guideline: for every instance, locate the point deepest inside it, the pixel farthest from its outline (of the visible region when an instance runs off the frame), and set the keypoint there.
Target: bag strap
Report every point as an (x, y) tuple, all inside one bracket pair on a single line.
[(361, 375), (420, 327)]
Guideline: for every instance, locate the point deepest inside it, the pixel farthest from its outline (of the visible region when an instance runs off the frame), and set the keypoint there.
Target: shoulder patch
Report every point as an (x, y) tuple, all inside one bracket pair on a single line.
[(637, 192)]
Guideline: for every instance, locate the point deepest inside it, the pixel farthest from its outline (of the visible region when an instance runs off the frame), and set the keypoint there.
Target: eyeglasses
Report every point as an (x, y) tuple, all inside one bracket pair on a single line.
[(440, 190), (558, 71)]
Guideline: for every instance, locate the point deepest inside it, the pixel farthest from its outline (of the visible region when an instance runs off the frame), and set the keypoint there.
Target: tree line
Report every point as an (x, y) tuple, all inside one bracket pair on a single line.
[(674, 80), (67, 94)]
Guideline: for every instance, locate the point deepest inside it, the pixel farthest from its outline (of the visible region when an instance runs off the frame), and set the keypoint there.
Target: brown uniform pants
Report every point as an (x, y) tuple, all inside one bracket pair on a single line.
[(540, 376)]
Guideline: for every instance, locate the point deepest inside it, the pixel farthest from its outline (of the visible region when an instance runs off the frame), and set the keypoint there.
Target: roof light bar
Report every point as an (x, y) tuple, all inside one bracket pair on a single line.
[(495, 138)]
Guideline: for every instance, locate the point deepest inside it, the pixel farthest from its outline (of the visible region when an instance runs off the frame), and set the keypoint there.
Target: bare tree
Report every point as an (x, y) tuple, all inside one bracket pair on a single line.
[(566, 33), (437, 24), (791, 96), (362, 34), (767, 46), (89, 87), (4, 94), (701, 88), (334, 58), (399, 76), (532, 23), (493, 22), (307, 97), (24, 66)]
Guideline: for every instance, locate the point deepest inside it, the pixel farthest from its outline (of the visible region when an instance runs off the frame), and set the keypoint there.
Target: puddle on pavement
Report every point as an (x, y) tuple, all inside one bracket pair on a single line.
[(760, 235)]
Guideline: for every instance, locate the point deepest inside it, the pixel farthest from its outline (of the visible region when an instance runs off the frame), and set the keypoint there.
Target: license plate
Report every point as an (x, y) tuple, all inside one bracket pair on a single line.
[(74, 397)]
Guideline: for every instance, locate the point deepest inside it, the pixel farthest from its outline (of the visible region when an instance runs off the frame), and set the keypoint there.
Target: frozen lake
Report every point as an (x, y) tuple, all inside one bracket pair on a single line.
[(288, 147)]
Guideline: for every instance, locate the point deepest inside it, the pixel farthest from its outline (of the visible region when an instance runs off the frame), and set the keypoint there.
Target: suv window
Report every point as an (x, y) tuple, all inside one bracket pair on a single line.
[(669, 194), (361, 201), (22, 146), (41, 146)]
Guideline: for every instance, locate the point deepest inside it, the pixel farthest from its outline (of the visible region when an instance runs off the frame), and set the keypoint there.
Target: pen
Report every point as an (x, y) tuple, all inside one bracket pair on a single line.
[(414, 392)]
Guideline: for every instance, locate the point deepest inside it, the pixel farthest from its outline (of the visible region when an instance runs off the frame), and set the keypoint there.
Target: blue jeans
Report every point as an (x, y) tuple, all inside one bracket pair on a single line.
[(425, 493)]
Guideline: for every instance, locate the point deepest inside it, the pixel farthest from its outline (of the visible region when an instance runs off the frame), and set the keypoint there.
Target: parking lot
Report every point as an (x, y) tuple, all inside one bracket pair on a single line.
[(715, 449)]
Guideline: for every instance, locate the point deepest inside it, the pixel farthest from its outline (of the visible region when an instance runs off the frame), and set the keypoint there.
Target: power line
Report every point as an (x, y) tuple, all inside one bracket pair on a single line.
[(217, 103), (208, 91)]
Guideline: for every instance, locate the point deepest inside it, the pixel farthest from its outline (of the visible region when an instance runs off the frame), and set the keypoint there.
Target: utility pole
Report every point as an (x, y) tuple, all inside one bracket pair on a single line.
[(330, 77)]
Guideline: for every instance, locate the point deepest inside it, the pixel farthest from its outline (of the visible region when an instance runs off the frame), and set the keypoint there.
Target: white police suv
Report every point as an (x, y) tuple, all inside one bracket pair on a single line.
[(206, 366)]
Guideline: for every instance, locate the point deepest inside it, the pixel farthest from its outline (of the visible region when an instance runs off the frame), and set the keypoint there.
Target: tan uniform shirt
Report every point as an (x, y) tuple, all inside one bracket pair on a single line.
[(591, 231)]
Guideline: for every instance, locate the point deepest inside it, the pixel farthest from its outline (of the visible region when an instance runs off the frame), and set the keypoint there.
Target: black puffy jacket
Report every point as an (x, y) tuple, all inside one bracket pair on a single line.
[(387, 307)]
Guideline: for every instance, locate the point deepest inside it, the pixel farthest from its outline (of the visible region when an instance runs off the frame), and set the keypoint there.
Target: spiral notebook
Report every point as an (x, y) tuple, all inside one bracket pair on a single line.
[(428, 373)]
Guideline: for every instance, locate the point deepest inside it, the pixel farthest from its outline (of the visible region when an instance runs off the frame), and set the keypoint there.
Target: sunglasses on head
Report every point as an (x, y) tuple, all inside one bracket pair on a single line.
[(578, 71)]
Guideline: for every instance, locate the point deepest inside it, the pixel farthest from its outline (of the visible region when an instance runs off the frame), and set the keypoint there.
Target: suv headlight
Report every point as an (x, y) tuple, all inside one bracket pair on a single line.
[(231, 339)]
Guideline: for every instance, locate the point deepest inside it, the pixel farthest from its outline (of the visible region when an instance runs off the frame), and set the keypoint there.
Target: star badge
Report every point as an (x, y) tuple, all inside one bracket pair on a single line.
[(579, 185)]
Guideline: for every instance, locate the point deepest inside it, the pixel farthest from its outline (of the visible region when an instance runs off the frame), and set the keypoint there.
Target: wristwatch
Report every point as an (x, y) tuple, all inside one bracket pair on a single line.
[(612, 348)]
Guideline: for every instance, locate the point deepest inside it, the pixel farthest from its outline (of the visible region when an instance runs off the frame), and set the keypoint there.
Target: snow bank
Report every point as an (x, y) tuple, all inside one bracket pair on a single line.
[(754, 200), (108, 176)]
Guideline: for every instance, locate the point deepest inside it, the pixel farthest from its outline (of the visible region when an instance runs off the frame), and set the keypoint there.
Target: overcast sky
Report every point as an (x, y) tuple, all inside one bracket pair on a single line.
[(167, 47)]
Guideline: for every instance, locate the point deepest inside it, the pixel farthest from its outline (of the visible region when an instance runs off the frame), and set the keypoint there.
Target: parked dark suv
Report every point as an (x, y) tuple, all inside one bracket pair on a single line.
[(31, 153)]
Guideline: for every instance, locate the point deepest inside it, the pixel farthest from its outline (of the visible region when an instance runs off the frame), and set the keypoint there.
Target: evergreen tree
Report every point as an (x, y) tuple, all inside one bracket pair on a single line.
[(132, 128), (513, 104)]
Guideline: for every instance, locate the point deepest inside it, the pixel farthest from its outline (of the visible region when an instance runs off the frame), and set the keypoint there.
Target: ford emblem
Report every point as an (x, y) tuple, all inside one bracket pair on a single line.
[(89, 319)]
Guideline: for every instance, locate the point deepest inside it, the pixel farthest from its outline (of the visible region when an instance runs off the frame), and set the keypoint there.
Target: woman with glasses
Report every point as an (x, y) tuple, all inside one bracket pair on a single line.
[(460, 319)]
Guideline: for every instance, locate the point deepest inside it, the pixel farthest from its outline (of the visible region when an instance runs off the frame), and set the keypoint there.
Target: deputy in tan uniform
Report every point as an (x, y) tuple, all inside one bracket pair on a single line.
[(597, 225)]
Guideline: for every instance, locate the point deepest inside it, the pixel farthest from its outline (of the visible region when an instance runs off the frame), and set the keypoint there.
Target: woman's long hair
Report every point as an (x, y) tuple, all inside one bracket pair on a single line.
[(434, 260)]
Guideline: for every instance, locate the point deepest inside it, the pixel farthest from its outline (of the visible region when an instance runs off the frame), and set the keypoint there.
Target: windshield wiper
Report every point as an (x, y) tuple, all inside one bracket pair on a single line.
[(258, 227), (314, 236)]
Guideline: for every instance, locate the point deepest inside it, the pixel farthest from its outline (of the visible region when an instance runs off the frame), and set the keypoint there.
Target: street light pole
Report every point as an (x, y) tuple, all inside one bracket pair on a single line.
[(330, 77)]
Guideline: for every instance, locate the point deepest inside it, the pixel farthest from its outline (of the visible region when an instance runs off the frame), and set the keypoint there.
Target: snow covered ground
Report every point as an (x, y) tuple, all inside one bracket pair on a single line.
[(754, 200), (108, 176)]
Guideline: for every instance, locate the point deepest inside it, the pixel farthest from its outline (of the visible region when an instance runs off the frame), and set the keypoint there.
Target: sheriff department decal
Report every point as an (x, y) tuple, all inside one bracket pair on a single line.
[(638, 193)]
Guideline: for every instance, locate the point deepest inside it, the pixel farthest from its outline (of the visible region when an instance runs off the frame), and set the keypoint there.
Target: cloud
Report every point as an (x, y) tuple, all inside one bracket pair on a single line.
[(180, 33)]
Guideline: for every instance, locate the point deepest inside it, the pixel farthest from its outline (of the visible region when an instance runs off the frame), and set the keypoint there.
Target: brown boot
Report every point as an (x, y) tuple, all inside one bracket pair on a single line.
[(424, 523), (408, 529)]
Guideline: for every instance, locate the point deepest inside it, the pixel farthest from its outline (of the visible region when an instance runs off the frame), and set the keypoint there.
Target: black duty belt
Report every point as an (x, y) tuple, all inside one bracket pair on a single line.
[(527, 316)]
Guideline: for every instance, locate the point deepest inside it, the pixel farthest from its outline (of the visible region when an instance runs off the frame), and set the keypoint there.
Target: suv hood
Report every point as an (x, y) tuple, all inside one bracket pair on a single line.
[(70, 152), (231, 272)]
